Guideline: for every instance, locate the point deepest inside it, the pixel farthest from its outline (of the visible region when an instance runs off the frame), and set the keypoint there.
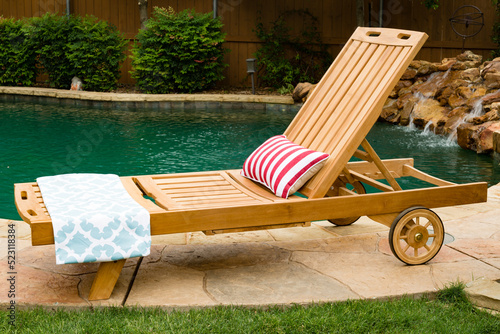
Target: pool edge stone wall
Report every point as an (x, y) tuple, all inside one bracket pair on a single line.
[(124, 101)]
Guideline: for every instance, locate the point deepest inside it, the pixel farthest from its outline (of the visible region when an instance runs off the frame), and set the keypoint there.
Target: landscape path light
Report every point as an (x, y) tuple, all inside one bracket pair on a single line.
[(251, 65)]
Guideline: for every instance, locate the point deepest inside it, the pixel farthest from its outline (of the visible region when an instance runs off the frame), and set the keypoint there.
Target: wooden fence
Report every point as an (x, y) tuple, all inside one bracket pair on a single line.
[(336, 22)]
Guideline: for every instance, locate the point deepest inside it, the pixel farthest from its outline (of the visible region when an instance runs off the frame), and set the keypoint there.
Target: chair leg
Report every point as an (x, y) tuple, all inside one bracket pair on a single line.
[(105, 280)]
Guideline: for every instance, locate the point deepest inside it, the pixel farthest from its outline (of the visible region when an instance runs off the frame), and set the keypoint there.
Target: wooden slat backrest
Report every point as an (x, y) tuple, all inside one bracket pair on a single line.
[(349, 98)]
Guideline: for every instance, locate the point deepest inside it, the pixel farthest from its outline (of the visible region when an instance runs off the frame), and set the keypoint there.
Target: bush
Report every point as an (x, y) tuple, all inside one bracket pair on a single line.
[(96, 50), (75, 46), (178, 52), (17, 56), (285, 59), (50, 36)]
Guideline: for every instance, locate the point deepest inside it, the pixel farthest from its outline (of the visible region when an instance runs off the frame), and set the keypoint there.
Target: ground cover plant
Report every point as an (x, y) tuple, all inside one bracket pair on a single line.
[(450, 312), (178, 52)]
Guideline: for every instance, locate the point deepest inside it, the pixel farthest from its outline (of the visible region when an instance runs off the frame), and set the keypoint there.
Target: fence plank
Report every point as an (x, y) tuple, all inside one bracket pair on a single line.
[(6, 12), (27, 9), (113, 12)]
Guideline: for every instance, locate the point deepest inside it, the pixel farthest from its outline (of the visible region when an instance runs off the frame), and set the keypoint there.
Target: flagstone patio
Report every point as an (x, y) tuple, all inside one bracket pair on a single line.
[(320, 263)]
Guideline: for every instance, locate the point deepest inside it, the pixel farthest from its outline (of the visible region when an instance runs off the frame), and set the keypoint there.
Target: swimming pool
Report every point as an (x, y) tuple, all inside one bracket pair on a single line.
[(47, 139)]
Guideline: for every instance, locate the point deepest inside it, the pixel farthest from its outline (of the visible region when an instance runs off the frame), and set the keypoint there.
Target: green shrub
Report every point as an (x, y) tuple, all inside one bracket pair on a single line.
[(17, 56), (96, 50), (178, 52), (79, 46), (50, 35), (287, 58)]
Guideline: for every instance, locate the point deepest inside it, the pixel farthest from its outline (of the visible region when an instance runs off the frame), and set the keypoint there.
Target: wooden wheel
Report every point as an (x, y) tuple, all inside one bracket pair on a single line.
[(416, 235), (357, 187)]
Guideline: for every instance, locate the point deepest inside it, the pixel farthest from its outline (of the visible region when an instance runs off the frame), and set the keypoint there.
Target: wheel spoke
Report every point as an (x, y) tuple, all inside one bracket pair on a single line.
[(427, 247), (406, 248), (428, 223), (417, 220), (416, 252), (432, 235)]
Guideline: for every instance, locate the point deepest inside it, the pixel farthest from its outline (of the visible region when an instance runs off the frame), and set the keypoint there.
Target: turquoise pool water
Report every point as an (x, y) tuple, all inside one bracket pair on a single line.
[(42, 139)]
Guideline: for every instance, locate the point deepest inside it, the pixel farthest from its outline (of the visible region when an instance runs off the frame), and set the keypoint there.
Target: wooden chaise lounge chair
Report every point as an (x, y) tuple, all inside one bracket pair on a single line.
[(335, 119)]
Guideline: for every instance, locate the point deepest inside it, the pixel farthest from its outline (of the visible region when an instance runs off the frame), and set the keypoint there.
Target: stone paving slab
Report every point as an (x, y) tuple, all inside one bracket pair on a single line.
[(485, 225), (279, 283), (166, 285), (298, 265), (370, 275), (485, 293)]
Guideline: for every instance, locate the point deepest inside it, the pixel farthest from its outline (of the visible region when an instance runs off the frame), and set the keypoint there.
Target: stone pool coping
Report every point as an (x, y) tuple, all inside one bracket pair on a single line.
[(158, 101)]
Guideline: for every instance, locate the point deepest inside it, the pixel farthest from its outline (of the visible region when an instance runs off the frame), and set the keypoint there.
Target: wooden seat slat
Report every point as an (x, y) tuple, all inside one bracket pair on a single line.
[(179, 196), (191, 179), (221, 204), (151, 189), (249, 191), (254, 187), (211, 197), (184, 175), (194, 185), (175, 192)]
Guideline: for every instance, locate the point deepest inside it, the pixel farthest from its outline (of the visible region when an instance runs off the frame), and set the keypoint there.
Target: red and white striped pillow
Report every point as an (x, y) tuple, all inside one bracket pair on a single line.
[(282, 166)]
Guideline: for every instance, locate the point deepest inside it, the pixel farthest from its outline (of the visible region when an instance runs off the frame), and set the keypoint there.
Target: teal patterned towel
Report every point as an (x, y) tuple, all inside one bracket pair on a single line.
[(94, 218)]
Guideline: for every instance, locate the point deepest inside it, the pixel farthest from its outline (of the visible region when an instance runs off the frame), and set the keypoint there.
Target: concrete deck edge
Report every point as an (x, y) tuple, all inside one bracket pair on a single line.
[(124, 97)]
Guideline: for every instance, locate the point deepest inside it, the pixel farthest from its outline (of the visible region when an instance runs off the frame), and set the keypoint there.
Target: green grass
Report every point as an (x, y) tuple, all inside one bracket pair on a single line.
[(450, 312)]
